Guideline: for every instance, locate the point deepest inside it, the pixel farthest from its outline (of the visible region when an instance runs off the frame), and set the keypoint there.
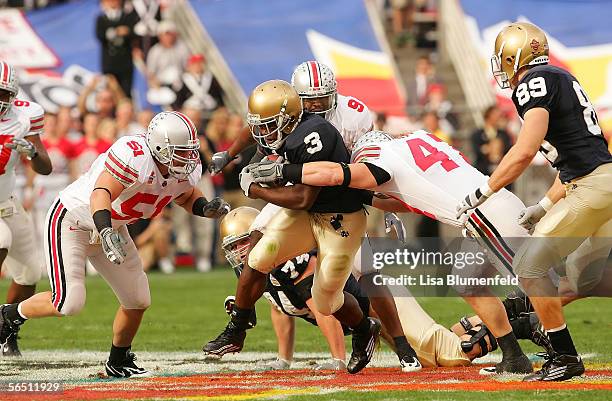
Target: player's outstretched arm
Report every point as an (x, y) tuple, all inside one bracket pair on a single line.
[(194, 202), (221, 159), (32, 148), (524, 150), (296, 197), (329, 174)]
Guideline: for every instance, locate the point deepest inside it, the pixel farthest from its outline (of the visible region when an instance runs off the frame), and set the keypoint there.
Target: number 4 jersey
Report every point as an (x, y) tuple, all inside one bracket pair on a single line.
[(574, 143), (146, 191)]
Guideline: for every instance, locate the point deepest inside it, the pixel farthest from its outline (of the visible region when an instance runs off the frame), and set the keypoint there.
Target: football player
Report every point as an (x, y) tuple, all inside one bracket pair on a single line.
[(316, 85), (307, 215), (21, 124), (423, 174), (560, 121), (136, 178)]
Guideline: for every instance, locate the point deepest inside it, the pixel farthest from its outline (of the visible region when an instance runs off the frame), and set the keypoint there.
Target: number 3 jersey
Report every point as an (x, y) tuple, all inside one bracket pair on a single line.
[(427, 175), (22, 120), (574, 143), (146, 191)]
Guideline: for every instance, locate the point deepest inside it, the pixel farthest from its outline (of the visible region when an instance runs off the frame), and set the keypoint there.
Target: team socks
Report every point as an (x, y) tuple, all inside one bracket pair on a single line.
[(509, 345), (561, 341), (402, 347), (117, 354), (11, 313)]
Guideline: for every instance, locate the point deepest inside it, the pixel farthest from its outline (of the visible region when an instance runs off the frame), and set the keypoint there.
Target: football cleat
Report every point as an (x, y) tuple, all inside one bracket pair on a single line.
[(8, 336), (558, 368), (516, 365), (125, 368), (363, 346), (277, 364), (230, 340), (410, 363)]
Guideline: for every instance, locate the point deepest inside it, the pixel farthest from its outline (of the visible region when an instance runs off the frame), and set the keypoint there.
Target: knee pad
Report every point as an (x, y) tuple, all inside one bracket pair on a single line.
[(263, 256), (6, 237), (327, 302)]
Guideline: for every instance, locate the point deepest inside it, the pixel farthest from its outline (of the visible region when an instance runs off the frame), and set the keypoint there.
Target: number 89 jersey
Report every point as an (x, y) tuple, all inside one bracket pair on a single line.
[(427, 175), (574, 143), (146, 191)]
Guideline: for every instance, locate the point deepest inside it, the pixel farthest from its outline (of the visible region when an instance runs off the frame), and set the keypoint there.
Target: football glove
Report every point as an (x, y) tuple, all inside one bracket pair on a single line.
[(530, 216), (246, 179), (394, 222), (112, 244), (23, 147), (266, 171), (216, 208), (474, 199), (228, 304), (219, 161)]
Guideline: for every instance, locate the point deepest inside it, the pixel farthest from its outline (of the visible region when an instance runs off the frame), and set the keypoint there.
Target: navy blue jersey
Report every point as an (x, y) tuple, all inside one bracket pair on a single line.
[(574, 143), (316, 139)]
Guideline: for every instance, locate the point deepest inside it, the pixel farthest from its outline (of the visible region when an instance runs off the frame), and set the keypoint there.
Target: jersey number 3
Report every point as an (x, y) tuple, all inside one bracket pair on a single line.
[(313, 140)]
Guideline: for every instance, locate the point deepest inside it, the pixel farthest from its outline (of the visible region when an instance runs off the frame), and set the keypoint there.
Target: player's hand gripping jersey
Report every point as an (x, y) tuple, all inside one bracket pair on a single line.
[(574, 143), (146, 191), (23, 119)]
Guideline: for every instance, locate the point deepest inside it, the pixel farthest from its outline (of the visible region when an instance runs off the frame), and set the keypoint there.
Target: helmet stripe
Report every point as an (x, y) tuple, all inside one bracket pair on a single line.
[(189, 123), (6, 73), (314, 67)]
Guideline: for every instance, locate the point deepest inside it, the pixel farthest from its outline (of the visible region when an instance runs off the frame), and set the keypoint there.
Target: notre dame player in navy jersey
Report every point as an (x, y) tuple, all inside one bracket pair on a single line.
[(331, 219), (559, 120)]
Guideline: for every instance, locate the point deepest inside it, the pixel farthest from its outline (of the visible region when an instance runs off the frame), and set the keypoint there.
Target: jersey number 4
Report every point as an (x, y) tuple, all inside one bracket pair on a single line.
[(426, 155)]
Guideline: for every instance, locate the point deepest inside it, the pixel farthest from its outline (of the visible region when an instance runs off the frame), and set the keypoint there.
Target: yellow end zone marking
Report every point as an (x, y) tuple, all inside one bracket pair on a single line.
[(269, 393)]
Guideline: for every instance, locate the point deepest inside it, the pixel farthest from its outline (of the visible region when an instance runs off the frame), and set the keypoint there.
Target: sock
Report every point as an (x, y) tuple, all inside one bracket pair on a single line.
[(362, 326), (509, 346), (561, 341), (402, 347), (12, 314), (24, 317), (240, 317), (117, 354)]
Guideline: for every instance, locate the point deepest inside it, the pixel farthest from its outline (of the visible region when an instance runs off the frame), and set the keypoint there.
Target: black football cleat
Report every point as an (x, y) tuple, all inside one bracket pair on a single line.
[(230, 340), (363, 346), (8, 336), (558, 367), (126, 368)]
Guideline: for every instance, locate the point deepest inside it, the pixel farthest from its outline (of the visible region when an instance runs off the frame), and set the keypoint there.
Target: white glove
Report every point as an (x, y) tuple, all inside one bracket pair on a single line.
[(530, 216), (394, 222), (229, 303), (266, 171), (278, 364), (219, 161), (216, 208), (23, 147), (112, 244), (474, 199), (331, 364), (246, 179)]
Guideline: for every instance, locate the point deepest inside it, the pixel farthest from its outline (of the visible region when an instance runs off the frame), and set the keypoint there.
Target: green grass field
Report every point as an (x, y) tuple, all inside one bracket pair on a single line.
[(187, 311)]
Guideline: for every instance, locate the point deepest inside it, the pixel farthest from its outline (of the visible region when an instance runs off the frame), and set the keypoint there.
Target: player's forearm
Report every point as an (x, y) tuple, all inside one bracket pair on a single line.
[(509, 169), (99, 200), (295, 197), (244, 140), (322, 174), (556, 191), (41, 163), (332, 331), (187, 200)]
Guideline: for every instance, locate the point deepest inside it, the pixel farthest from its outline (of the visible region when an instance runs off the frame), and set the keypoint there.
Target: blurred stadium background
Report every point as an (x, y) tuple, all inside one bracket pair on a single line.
[(415, 63)]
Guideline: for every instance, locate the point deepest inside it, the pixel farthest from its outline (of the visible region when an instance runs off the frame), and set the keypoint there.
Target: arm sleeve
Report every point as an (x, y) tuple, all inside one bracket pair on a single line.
[(122, 160), (381, 175), (37, 118), (538, 89)]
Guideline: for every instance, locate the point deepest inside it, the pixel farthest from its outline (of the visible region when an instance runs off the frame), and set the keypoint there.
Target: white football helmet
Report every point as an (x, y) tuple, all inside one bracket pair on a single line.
[(173, 140), (366, 141), (312, 80), (9, 83)]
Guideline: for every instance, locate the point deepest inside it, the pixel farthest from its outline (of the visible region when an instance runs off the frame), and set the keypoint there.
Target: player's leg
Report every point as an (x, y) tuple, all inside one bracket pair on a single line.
[(131, 287), (65, 257), (287, 234), (383, 304), (586, 207), (338, 239)]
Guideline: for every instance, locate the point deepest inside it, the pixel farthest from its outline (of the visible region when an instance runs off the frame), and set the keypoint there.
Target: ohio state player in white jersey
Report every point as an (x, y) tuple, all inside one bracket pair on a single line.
[(136, 178), (21, 123), (428, 176)]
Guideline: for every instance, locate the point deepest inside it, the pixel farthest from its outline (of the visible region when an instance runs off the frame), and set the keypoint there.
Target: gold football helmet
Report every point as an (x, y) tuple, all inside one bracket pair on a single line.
[(275, 109), (234, 231), (517, 45)]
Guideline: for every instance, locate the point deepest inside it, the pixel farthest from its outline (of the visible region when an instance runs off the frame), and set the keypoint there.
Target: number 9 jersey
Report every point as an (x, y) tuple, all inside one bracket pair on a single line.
[(146, 191), (574, 143)]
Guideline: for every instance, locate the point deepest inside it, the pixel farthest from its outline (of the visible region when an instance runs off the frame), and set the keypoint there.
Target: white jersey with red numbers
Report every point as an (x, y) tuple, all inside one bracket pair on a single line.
[(24, 118), (352, 118), (146, 191)]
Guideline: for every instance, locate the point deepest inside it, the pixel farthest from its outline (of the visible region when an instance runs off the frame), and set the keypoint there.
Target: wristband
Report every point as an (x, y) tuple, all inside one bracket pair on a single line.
[(293, 173), (102, 219), (346, 174), (546, 203), (198, 206)]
